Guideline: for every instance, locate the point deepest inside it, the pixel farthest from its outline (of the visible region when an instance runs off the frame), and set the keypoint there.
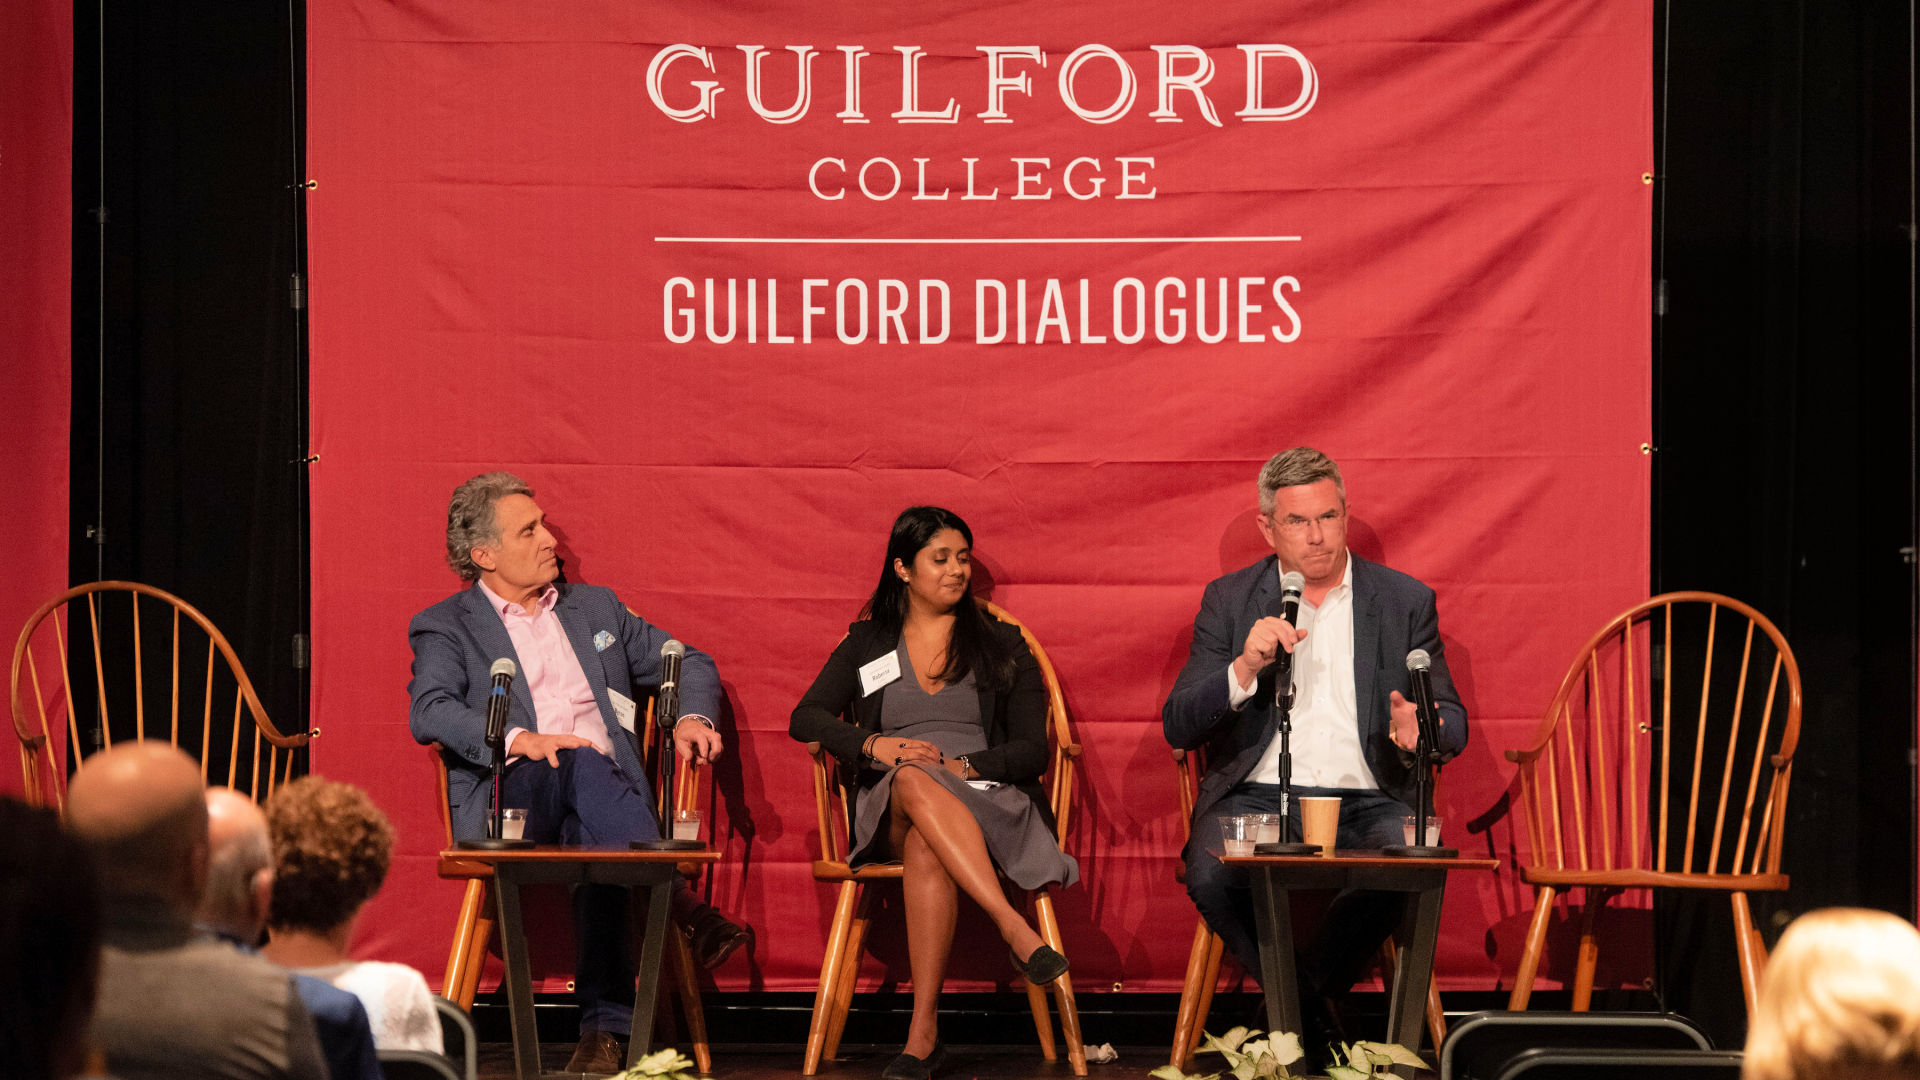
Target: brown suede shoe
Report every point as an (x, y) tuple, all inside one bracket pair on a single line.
[(714, 937), (600, 1052)]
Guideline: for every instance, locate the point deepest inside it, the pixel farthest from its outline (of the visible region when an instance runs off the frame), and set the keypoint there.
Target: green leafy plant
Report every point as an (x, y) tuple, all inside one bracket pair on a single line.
[(1273, 1058), (668, 1064), (1359, 1060), (1248, 1058)]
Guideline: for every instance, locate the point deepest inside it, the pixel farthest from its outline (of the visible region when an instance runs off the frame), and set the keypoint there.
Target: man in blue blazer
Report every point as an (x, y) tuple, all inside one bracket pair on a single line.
[(1353, 728), (584, 661)]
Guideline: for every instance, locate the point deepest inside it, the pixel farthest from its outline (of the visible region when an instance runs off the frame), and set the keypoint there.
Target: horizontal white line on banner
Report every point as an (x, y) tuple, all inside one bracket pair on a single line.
[(976, 239)]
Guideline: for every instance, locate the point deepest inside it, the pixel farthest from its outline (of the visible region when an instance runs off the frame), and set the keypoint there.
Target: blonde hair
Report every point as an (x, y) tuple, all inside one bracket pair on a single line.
[(1840, 998)]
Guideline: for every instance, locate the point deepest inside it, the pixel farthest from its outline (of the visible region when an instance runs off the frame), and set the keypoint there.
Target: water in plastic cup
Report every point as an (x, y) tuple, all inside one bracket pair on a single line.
[(513, 824), (686, 825), (1238, 833), (1266, 828), (1433, 831)]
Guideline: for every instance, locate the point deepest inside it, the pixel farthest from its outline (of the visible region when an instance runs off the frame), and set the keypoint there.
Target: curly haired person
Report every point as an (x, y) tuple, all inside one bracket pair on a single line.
[(331, 850)]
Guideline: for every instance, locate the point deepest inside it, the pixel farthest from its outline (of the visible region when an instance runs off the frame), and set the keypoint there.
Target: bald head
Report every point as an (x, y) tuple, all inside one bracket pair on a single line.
[(239, 866), (139, 807)]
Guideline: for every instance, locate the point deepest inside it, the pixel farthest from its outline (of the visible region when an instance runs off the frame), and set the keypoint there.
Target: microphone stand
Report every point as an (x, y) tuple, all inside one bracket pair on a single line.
[(1283, 712), (1426, 755), (668, 709), (497, 742)]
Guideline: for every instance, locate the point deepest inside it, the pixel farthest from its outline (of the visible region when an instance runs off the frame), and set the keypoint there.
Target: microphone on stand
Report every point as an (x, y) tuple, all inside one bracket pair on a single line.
[(666, 707), (1425, 751), (666, 715), (503, 672), (499, 704), (1420, 674)]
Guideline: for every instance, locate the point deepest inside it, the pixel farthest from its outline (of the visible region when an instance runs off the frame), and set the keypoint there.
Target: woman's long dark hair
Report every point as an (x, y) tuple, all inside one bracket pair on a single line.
[(975, 647)]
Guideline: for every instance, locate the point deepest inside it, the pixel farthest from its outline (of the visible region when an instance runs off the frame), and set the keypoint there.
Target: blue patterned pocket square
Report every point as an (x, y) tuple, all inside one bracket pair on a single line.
[(602, 640)]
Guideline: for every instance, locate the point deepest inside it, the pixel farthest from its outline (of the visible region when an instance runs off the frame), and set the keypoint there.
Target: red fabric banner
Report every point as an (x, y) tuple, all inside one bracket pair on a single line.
[(1071, 270), (36, 261)]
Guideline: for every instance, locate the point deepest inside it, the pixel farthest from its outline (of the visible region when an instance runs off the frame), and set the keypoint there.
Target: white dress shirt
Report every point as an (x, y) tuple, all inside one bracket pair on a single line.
[(1326, 727)]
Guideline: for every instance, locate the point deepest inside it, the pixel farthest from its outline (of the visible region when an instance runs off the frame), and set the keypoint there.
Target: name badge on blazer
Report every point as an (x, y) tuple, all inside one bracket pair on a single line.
[(623, 708), (879, 673)]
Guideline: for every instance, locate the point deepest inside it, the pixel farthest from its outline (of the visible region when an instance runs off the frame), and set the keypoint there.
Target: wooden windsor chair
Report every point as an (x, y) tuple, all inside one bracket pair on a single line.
[(846, 939), (1203, 958), (133, 655), (473, 929), (1660, 702)]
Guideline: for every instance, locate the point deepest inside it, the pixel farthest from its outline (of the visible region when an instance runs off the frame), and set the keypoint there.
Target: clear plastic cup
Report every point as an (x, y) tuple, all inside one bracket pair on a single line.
[(686, 825), (1433, 831), (1239, 832), (513, 824)]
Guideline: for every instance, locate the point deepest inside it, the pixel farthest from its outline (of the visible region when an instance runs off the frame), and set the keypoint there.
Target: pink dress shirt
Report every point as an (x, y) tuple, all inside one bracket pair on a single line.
[(563, 702)]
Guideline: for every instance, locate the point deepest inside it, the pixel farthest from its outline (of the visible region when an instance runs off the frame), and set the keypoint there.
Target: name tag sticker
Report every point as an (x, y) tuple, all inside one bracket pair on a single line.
[(879, 673), (622, 708)]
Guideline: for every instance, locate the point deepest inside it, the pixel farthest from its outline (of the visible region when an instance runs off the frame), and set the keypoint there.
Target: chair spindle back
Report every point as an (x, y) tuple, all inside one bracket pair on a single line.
[(158, 670), (1673, 728)]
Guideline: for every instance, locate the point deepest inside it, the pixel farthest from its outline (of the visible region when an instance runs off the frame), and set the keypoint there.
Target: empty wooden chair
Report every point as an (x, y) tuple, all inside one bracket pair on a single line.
[(1663, 761), (153, 670)]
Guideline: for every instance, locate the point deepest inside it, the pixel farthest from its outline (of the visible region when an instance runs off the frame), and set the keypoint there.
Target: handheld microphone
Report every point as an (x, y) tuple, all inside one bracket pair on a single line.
[(1420, 674), (1292, 583), (666, 708), (499, 701)]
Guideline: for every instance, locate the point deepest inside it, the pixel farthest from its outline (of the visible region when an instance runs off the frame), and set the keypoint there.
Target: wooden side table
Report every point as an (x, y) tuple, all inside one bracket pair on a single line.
[(1276, 876), (650, 870)]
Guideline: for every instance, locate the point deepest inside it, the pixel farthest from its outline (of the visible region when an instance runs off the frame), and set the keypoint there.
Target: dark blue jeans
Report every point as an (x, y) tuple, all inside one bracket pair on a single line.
[(589, 800), (1357, 921)]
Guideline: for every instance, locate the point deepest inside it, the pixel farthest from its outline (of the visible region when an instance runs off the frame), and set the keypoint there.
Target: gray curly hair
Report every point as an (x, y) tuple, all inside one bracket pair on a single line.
[(1294, 468), (470, 519)]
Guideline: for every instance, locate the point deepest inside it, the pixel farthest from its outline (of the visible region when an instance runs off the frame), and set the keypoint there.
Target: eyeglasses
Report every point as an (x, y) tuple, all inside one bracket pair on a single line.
[(1295, 525)]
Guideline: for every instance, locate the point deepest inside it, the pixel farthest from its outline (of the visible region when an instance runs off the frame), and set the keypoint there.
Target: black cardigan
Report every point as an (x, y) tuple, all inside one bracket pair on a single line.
[(1015, 717)]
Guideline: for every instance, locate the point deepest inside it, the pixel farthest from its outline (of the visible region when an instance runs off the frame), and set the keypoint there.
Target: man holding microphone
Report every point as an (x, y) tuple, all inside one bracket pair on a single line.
[(1352, 734)]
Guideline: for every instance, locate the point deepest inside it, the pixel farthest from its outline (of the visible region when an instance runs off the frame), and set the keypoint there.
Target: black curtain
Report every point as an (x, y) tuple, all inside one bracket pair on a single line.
[(1784, 381), (189, 393)]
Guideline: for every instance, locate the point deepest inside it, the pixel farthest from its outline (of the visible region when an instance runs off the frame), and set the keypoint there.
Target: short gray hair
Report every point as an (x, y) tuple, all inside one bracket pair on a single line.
[(1297, 467), (227, 901), (470, 519)]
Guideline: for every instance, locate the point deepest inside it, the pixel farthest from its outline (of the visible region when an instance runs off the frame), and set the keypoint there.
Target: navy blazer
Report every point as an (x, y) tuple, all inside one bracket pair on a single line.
[(457, 640), (346, 1035), (1015, 716), (1393, 614)]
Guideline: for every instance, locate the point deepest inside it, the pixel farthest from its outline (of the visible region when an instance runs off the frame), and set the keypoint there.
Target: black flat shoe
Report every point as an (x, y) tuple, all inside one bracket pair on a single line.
[(1042, 966), (908, 1067)]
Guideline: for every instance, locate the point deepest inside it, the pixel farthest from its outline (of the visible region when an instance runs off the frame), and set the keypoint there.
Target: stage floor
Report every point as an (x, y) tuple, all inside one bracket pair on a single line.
[(862, 1063)]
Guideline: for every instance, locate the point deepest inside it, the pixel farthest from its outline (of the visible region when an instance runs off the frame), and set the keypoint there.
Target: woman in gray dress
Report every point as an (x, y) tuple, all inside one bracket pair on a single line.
[(944, 752)]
